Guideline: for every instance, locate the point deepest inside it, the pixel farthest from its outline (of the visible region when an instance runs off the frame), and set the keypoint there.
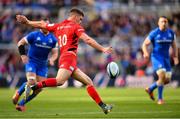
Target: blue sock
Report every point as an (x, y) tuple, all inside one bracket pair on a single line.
[(153, 86), (23, 101), (160, 91), (22, 88)]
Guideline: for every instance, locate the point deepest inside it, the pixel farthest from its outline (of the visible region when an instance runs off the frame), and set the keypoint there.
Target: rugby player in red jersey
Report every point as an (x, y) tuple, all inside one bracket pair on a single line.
[(68, 32)]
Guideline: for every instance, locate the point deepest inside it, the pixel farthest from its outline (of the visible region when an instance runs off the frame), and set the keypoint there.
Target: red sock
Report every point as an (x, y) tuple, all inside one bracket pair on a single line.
[(93, 93), (49, 82)]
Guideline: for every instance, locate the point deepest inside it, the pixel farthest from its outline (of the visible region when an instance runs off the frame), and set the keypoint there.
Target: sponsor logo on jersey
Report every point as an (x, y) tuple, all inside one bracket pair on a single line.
[(42, 46), (44, 43), (164, 40), (64, 27)]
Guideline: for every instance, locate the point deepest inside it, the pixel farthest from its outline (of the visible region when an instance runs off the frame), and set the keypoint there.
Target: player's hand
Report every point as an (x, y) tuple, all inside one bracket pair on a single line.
[(108, 50), (146, 55), (22, 19), (51, 62), (176, 60), (25, 59)]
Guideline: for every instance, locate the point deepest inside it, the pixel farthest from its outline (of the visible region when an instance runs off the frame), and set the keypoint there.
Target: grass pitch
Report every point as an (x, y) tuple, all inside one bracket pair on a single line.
[(75, 103)]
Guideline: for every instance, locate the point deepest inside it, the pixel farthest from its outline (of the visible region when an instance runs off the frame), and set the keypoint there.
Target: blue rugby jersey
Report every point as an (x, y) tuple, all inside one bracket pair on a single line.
[(161, 41), (40, 46)]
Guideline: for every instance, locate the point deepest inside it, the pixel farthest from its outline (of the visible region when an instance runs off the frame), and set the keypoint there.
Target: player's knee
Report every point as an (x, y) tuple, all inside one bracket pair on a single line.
[(168, 77), (89, 82), (31, 81), (162, 76), (60, 82)]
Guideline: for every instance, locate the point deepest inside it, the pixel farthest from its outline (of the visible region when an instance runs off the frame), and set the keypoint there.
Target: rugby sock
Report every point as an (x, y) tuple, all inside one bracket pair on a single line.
[(160, 91), (23, 101), (153, 86), (49, 82), (94, 95), (22, 88)]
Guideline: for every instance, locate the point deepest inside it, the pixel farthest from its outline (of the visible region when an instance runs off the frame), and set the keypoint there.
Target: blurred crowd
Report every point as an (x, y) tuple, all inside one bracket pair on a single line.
[(124, 31)]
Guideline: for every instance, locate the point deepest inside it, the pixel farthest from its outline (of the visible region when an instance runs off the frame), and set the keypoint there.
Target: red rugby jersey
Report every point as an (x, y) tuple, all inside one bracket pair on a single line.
[(67, 32)]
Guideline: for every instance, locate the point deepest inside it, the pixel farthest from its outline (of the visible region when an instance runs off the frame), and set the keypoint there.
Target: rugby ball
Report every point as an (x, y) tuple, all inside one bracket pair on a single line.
[(112, 70)]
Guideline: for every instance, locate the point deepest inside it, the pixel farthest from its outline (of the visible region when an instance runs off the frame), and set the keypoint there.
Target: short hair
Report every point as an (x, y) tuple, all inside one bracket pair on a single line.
[(163, 17), (78, 11)]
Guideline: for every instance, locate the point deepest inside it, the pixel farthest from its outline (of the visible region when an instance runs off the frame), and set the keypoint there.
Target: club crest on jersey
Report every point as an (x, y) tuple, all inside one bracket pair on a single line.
[(158, 36), (38, 38), (50, 40), (169, 35)]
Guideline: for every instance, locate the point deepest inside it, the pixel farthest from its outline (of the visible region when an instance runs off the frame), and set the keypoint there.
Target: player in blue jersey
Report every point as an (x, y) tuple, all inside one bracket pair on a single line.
[(41, 43), (161, 39)]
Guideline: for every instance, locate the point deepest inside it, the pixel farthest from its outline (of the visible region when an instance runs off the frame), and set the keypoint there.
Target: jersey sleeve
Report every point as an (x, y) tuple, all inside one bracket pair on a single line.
[(51, 27), (55, 41), (31, 36), (151, 36), (79, 30)]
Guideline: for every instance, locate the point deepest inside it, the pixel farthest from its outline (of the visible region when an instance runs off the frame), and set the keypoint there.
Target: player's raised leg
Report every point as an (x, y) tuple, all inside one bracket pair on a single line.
[(62, 76), (82, 77)]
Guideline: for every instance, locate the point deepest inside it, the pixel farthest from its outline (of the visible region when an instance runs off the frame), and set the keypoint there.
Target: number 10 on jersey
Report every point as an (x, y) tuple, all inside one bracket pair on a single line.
[(62, 40)]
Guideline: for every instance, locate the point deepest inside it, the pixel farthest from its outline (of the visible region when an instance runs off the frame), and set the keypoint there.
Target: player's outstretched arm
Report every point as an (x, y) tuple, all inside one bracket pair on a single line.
[(175, 53), (145, 45), (21, 48), (36, 24), (90, 41)]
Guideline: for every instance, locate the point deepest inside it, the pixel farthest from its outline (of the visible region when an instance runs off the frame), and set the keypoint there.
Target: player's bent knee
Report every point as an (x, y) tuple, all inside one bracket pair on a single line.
[(161, 74), (88, 82), (60, 83), (31, 81), (168, 77)]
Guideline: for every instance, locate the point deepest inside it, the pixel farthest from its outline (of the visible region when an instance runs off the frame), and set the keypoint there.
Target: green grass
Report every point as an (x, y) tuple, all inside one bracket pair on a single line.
[(75, 103)]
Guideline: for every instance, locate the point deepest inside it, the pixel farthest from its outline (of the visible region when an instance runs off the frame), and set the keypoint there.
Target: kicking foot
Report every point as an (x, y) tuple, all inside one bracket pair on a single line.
[(107, 108), (160, 102), (20, 108), (151, 95), (15, 98)]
